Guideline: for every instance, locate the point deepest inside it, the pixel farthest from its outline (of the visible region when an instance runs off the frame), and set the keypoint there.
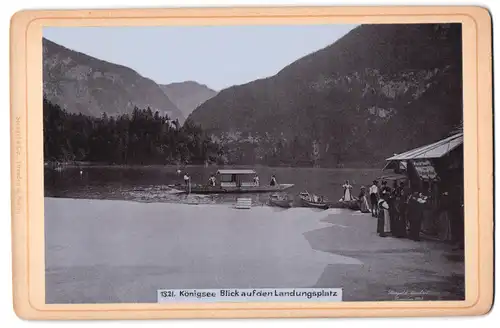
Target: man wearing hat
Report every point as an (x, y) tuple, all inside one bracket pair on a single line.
[(385, 188)]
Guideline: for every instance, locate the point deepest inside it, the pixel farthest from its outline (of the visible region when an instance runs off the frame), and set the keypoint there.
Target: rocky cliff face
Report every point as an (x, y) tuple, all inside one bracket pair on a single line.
[(379, 90), (187, 95), (83, 84)]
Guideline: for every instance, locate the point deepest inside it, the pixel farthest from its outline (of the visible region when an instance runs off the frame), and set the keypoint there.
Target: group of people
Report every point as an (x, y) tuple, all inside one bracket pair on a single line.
[(395, 208), (212, 181), (362, 199), (256, 181)]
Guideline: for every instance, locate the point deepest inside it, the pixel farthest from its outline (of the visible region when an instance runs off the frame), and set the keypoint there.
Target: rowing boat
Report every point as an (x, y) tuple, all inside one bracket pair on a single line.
[(310, 200), (276, 200)]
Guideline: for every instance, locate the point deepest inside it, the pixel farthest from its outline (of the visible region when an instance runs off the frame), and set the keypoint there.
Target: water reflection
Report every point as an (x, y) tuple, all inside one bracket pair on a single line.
[(151, 183)]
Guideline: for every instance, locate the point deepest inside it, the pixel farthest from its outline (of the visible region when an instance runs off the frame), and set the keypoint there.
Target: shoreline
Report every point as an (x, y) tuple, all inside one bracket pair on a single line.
[(50, 164), (221, 204)]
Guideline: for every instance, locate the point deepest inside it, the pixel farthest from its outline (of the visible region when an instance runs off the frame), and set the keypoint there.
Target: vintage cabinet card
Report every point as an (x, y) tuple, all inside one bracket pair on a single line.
[(252, 162)]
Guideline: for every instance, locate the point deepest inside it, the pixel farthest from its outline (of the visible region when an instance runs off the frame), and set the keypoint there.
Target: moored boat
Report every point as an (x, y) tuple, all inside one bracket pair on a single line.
[(206, 189), (311, 200), (234, 181), (280, 201), (352, 205)]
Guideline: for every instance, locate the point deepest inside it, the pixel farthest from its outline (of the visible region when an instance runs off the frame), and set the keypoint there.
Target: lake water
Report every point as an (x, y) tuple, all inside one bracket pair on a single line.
[(150, 183)]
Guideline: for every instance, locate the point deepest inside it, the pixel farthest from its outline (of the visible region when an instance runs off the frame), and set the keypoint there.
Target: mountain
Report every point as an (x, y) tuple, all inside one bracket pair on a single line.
[(187, 95), (83, 84), (379, 90)]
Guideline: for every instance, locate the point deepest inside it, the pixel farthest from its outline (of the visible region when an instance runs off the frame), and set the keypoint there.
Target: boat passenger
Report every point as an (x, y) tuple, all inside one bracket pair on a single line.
[(212, 181), (273, 181), (256, 180)]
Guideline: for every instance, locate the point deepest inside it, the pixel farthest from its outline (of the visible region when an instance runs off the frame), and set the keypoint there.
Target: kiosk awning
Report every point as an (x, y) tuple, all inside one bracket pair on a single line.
[(435, 150)]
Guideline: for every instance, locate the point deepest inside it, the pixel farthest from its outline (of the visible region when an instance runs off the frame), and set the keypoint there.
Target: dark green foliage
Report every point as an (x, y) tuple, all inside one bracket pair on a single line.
[(141, 138)]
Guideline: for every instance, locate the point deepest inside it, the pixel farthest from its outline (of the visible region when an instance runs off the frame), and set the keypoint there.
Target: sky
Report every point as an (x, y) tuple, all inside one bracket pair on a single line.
[(218, 56)]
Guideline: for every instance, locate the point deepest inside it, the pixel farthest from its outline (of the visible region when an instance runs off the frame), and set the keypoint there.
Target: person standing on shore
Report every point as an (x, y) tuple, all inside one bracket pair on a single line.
[(395, 185), (374, 198), (363, 201), (416, 205), (398, 202), (444, 222), (457, 217), (392, 209), (402, 202), (347, 191), (383, 222), (398, 223), (186, 179), (385, 188)]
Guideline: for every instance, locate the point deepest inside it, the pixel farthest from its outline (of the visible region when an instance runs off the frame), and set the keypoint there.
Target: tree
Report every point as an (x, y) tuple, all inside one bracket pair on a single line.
[(143, 137)]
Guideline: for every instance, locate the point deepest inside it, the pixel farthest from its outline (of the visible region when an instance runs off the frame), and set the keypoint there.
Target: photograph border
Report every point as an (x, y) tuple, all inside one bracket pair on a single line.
[(27, 158)]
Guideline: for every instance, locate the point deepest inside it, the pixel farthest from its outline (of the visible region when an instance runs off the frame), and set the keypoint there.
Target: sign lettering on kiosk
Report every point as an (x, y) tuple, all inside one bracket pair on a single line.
[(425, 169)]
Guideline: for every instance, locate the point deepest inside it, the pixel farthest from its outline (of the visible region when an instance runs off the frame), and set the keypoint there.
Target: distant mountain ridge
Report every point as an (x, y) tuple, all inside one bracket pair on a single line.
[(379, 90), (83, 84), (187, 95)]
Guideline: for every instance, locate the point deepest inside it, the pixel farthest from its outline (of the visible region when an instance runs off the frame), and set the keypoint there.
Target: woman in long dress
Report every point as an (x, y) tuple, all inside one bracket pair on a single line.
[(363, 201), (384, 221), (347, 192)]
